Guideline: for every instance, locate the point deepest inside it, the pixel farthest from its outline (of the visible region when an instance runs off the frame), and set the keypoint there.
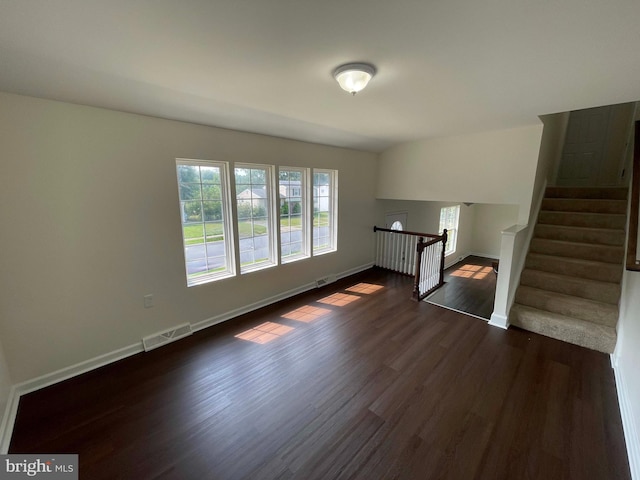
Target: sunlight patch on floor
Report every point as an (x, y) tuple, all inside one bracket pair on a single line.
[(365, 288), (339, 299), (477, 272), (306, 314), (264, 333)]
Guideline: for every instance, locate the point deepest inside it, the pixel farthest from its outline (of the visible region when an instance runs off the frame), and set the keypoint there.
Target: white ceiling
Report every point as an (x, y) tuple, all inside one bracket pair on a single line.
[(445, 67)]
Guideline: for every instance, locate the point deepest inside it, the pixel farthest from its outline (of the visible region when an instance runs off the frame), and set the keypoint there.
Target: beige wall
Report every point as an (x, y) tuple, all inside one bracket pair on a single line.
[(91, 224), (492, 167), (488, 224)]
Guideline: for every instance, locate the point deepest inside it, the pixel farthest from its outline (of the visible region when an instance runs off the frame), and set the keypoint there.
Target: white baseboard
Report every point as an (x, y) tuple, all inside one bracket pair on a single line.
[(8, 420), (631, 437), (78, 369), (485, 255), (500, 321)]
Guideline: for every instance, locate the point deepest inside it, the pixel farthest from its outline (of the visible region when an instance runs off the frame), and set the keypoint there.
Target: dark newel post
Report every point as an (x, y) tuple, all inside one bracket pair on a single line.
[(444, 246), (416, 284)]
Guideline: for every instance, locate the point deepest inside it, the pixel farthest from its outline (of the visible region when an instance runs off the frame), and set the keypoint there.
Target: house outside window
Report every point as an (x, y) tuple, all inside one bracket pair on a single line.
[(449, 217), (325, 196), (205, 216), (294, 237), (254, 201)]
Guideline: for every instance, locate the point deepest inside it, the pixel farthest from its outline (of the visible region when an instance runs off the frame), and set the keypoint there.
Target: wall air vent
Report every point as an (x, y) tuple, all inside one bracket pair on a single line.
[(167, 336), (321, 282)]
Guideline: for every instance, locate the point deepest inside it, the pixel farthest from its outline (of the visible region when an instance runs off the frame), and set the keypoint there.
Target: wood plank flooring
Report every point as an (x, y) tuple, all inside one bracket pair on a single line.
[(340, 383), (470, 287)]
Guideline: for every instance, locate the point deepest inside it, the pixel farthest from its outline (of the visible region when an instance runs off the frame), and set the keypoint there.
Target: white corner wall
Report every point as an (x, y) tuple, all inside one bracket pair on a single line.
[(626, 361), (495, 167), (89, 208)]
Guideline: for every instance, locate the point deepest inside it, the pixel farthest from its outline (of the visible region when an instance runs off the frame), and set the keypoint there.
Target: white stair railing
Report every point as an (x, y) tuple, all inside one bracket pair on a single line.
[(408, 253)]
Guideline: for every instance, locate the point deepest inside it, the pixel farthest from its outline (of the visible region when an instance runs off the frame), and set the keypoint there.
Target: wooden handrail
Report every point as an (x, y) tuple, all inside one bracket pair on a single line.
[(632, 244), (406, 232)]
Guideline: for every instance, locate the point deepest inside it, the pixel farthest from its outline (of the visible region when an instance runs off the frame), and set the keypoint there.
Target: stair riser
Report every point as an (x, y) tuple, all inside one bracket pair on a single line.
[(608, 272), (582, 220), (603, 292), (600, 338), (568, 234), (598, 253), (604, 314), (584, 205), (580, 192)]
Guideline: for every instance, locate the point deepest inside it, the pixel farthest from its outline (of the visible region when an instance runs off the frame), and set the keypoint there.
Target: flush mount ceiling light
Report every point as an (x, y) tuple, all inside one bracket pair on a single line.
[(353, 77)]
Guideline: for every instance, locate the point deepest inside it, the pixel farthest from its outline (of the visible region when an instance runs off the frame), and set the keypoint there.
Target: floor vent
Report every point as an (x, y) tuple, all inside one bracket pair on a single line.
[(167, 336), (321, 282)]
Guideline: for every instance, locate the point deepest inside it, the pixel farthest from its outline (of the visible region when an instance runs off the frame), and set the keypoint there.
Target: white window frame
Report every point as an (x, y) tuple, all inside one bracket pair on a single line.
[(270, 221), (303, 191), (446, 221), (227, 230), (332, 206)]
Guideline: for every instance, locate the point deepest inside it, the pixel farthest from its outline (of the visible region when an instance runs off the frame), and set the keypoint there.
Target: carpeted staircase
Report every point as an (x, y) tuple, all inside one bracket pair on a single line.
[(570, 286)]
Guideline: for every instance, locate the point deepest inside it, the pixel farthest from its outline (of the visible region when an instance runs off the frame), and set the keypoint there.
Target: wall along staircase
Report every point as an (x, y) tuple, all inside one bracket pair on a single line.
[(570, 286)]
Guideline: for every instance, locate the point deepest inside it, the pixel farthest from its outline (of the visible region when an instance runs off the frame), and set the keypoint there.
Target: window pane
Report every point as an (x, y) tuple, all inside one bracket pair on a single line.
[(294, 239), (211, 192), (253, 205), (189, 191), (188, 173), (449, 217), (210, 175), (204, 208), (258, 177), (192, 211), (324, 202)]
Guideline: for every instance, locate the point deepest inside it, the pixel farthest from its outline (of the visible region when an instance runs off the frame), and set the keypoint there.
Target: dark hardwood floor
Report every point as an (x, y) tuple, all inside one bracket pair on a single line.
[(340, 383), (470, 287)]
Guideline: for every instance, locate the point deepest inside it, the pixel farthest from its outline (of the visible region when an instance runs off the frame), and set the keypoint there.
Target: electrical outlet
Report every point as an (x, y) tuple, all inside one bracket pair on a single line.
[(148, 301)]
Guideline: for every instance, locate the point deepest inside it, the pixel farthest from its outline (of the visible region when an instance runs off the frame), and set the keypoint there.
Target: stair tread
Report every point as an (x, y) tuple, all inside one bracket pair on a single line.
[(572, 299), (578, 286), (561, 327), (571, 212), (568, 278), (586, 192), (582, 219), (568, 305), (583, 229), (581, 244), (579, 261), (613, 254), (583, 235)]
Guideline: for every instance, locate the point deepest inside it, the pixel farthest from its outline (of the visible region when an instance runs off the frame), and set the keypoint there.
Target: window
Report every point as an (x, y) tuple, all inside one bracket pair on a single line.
[(254, 217), (204, 211), (449, 217), (294, 241), (325, 192), (214, 248)]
